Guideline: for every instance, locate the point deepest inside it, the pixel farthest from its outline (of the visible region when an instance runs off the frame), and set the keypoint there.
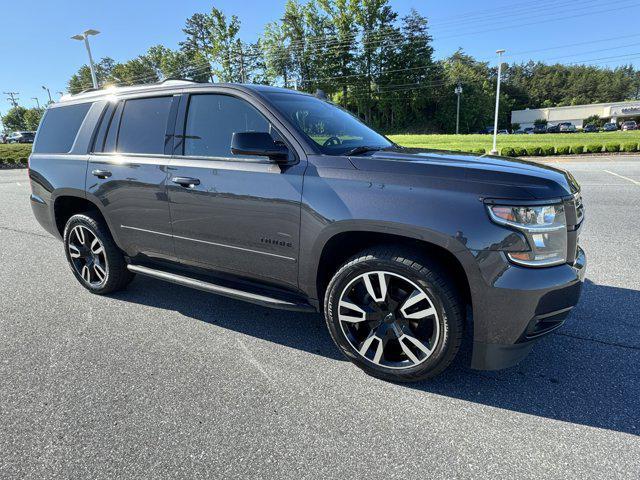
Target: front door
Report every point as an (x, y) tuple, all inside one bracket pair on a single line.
[(237, 214), (127, 174)]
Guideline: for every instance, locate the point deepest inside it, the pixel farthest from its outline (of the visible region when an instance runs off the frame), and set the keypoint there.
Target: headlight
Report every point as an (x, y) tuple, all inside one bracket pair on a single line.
[(545, 228)]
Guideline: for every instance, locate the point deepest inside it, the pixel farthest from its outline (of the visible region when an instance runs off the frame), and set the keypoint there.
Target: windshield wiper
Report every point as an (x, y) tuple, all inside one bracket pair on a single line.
[(363, 149)]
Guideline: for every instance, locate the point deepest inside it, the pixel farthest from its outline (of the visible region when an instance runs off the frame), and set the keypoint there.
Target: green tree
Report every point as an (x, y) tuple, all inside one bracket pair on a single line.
[(594, 119), (278, 60), (14, 119), (478, 97), (216, 38), (341, 49), (375, 19), (81, 80), (168, 63), (134, 72), (32, 118)]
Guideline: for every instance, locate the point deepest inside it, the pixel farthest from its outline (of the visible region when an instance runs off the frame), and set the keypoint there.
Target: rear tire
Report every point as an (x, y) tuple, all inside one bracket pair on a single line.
[(395, 314), (95, 260)]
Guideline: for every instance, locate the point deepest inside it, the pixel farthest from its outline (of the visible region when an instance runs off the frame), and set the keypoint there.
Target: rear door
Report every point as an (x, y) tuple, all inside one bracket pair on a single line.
[(127, 173), (242, 213)]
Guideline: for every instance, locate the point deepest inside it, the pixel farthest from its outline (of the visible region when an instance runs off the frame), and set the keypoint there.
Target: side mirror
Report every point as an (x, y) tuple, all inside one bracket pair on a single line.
[(258, 143)]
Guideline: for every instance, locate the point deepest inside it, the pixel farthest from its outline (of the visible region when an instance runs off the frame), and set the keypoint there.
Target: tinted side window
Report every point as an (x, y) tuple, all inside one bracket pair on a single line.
[(143, 125), (212, 120), (98, 145), (112, 134), (59, 128)]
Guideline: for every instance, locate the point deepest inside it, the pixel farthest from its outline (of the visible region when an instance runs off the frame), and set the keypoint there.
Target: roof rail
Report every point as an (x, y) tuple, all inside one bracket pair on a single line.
[(173, 79), (86, 90)]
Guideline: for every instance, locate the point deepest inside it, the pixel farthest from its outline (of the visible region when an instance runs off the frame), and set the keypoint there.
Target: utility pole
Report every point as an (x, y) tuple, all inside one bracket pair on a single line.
[(458, 91), (85, 37), (37, 102), (243, 78), (494, 151), (12, 98), (48, 93)]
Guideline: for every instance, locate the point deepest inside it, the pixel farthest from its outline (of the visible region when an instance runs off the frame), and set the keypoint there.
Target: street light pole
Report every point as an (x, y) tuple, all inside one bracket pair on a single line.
[(48, 93), (85, 37), (37, 102), (494, 151), (458, 91)]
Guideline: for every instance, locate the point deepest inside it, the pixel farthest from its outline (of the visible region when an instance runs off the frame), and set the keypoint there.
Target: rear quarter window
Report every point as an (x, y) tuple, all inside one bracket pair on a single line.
[(59, 128)]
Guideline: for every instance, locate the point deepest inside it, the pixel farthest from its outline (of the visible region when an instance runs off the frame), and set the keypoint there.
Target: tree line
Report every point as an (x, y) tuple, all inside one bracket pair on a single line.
[(369, 59)]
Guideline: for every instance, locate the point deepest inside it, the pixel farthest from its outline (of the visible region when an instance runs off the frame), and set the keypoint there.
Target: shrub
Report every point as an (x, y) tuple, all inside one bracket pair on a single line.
[(13, 154), (520, 151), (479, 151), (594, 148), (612, 147), (534, 151), (548, 150), (563, 150), (577, 149), (595, 119), (630, 147), (508, 152)]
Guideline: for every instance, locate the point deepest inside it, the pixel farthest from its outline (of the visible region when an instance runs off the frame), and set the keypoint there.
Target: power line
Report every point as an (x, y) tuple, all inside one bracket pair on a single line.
[(555, 19), (12, 98), (568, 45)]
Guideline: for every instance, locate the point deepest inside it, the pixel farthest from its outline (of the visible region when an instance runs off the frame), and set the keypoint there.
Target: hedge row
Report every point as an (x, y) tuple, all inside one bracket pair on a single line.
[(569, 150), (14, 154)]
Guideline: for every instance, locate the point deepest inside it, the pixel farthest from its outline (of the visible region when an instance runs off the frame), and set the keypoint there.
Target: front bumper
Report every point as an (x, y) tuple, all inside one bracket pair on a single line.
[(520, 305)]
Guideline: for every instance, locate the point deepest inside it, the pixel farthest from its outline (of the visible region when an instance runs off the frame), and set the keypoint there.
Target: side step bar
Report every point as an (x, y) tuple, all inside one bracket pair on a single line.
[(221, 290)]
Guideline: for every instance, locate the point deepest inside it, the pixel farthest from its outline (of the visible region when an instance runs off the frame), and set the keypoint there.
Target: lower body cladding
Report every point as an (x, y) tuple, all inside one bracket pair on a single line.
[(515, 306)]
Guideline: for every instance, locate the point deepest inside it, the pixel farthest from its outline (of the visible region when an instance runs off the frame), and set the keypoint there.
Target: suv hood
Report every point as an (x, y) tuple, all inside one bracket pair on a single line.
[(491, 176)]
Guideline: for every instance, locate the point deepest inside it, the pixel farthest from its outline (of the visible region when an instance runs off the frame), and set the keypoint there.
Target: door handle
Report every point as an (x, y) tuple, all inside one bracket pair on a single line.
[(186, 181), (101, 173)]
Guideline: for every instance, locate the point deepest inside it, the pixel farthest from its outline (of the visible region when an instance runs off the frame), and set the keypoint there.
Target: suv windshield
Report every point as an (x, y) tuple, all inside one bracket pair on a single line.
[(334, 130)]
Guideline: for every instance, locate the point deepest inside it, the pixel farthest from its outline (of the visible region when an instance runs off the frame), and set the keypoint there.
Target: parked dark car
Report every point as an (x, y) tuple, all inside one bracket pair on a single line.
[(629, 125), (610, 127), (21, 137), (567, 127), (591, 128), (540, 129), (553, 129), (282, 199)]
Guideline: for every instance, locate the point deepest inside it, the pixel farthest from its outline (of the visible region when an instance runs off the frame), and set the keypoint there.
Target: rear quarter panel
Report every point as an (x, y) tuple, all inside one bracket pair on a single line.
[(55, 175)]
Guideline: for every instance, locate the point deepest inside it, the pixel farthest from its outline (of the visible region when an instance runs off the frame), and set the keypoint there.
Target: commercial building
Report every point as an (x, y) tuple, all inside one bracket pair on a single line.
[(576, 114)]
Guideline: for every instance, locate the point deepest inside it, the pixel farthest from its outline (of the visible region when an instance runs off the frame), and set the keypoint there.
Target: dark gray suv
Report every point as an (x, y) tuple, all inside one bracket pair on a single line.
[(282, 199)]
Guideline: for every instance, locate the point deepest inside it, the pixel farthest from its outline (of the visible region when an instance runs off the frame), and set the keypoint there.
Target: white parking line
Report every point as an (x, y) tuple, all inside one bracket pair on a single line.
[(622, 176)]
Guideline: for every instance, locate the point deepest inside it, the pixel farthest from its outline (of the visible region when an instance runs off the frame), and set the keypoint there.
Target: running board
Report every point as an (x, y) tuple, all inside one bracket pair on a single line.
[(221, 290)]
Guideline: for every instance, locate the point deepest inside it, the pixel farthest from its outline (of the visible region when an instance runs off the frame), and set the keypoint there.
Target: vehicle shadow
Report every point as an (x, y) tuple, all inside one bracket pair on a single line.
[(586, 373)]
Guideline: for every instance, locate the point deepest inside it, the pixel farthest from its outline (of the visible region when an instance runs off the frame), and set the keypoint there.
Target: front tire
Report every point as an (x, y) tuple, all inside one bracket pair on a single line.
[(394, 314), (95, 260)]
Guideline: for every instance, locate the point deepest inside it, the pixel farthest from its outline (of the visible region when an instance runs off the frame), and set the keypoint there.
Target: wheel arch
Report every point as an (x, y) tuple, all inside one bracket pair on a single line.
[(66, 205), (333, 250)]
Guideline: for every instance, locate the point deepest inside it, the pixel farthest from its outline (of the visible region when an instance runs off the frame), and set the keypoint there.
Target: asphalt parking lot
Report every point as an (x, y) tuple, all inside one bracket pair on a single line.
[(161, 381)]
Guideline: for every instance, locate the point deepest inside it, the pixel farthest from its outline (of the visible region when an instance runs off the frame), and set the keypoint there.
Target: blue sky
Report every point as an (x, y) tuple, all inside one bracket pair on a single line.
[(37, 49)]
